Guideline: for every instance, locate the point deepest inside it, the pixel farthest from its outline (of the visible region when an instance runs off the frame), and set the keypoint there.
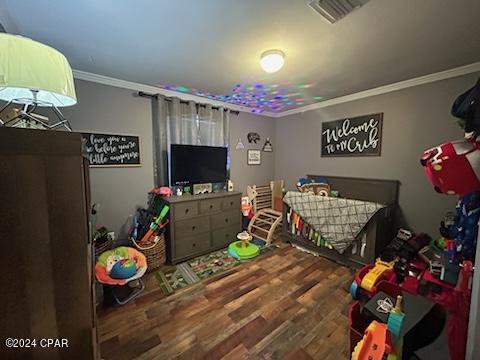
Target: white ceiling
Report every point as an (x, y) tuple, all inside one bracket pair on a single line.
[(213, 45)]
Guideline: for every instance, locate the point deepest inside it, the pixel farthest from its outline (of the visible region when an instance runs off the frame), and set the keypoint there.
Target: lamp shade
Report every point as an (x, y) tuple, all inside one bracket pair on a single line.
[(33, 72)]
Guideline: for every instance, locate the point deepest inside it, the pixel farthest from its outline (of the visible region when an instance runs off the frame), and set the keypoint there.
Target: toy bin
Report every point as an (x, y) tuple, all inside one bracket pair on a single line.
[(388, 276), (389, 288), (357, 324)]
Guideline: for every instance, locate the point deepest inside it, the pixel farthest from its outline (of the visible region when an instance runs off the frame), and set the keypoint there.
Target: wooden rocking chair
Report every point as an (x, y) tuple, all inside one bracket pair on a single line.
[(267, 210)]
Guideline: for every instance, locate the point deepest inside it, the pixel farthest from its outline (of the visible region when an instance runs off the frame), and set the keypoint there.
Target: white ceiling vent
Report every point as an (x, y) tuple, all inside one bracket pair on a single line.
[(334, 10)]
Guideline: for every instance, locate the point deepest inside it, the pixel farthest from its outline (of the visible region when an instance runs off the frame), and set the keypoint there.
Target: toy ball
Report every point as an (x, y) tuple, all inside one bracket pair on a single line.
[(123, 269), (453, 167)]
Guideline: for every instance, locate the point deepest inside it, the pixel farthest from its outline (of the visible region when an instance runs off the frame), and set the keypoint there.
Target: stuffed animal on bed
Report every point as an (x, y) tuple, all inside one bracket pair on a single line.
[(317, 186)]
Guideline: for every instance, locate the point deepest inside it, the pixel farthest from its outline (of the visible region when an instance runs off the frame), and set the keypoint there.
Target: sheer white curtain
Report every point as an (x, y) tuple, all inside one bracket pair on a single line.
[(182, 124), (213, 126), (188, 124), (185, 125)]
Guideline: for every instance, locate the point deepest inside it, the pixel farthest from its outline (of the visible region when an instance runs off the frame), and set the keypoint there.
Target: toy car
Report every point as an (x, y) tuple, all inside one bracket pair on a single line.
[(452, 167)]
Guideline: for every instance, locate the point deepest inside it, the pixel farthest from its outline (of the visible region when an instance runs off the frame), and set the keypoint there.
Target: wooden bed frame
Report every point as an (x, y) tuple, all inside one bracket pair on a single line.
[(379, 230)]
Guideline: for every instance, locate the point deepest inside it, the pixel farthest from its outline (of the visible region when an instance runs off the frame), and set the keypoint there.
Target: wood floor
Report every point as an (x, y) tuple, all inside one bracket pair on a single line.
[(284, 305)]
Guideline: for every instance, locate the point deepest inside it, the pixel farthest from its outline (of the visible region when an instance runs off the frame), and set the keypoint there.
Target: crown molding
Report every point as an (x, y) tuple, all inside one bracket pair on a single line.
[(426, 79), (124, 84)]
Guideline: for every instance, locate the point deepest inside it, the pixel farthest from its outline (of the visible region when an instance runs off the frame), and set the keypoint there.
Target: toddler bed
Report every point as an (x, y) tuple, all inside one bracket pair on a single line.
[(378, 197)]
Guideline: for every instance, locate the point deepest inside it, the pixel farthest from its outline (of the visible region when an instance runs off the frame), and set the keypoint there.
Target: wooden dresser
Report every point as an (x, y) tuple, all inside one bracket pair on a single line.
[(200, 224)]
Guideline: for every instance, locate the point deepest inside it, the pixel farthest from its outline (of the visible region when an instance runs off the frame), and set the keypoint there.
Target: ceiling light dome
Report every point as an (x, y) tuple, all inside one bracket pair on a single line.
[(272, 60)]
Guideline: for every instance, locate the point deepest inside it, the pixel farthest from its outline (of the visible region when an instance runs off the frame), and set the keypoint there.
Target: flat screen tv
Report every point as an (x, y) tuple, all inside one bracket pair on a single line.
[(194, 164)]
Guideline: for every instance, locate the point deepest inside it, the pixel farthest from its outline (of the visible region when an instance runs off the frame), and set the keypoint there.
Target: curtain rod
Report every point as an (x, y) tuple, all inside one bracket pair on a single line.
[(146, 95)]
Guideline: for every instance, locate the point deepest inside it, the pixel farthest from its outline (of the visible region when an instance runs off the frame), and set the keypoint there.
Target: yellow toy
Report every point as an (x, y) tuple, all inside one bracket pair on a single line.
[(376, 343), (374, 275), (380, 340)]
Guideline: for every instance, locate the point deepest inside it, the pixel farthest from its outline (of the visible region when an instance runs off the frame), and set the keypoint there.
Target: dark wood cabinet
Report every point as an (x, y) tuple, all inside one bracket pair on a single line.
[(202, 223), (46, 264)]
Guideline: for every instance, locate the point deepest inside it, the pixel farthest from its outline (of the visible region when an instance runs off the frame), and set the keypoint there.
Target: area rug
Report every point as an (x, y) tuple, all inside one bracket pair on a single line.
[(173, 278)]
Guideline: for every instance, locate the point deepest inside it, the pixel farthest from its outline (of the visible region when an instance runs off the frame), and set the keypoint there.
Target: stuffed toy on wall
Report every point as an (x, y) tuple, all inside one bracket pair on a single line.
[(454, 167)]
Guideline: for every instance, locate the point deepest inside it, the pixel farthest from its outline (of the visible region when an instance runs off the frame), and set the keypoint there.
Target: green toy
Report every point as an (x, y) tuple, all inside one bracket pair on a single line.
[(243, 249), (440, 243), (239, 252), (154, 225)]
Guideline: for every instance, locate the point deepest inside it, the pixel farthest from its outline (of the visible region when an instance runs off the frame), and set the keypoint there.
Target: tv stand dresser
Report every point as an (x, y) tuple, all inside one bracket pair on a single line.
[(200, 224)]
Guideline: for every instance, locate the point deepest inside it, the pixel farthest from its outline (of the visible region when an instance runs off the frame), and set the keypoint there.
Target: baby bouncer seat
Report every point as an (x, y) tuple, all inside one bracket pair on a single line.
[(121, 269)]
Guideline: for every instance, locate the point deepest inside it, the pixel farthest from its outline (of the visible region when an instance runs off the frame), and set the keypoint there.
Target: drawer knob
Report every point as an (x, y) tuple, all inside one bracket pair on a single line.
[(194, 244), (193, 228), (231, 203), (211, 206), (186, 210), (226, 220)]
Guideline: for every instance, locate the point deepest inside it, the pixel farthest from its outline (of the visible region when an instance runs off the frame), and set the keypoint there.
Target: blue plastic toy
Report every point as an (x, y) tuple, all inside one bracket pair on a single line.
[(123, 269)]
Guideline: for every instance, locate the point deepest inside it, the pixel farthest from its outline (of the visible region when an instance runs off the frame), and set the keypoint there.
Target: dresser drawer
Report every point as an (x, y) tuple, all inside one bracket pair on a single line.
[(186, 210), (192, 245), (210, 206), (231, 203), (191, 227), (225, 236), (226, 219)]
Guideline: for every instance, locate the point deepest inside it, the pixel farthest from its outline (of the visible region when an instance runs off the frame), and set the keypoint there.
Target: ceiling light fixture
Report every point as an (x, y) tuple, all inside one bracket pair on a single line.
[(272, 60)]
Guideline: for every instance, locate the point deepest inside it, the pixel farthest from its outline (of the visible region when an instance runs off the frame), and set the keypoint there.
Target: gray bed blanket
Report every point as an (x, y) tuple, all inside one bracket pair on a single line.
[(338, 220)]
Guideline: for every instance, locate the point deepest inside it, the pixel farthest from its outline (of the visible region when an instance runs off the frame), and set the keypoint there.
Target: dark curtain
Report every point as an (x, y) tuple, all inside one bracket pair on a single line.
[(160, 141)]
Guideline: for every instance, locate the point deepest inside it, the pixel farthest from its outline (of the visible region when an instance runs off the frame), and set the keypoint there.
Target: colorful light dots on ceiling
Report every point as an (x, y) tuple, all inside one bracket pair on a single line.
[(259, 96), (305, 86)]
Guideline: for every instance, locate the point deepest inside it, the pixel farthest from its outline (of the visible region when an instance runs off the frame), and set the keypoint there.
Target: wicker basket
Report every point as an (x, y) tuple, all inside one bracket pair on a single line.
[(100, 248), (154, 250)]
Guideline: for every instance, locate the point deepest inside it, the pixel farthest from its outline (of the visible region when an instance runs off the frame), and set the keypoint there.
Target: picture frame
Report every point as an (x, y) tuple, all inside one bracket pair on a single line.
[(254, 157)]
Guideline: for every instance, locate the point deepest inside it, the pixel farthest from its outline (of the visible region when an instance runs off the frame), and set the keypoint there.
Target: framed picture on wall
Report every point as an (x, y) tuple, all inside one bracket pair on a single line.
[(254, 157), (355, 136)]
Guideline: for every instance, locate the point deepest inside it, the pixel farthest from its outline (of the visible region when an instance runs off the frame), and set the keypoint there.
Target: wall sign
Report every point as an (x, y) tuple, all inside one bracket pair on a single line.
[(357, 136), (254, 157), (112, 150)]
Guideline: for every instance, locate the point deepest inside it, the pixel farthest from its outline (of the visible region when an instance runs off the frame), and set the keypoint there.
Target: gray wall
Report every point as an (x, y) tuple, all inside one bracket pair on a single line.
[(241, 173), (414, 119), (118, 190)]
